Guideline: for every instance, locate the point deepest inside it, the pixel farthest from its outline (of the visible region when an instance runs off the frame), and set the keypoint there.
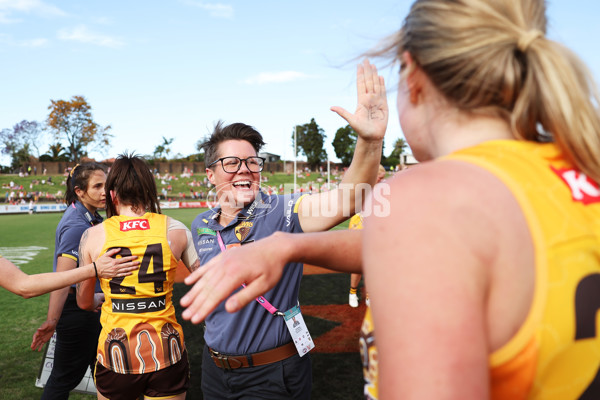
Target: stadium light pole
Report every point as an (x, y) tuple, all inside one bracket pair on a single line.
[(295, 155)]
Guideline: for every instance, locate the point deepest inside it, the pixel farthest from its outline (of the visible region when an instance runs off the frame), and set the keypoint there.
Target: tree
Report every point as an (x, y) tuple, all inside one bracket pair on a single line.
[(399, 147), (56, 152), (10, 144), (395, 156), (32, 133), (310, 139), (72, 121), (20, 139), (163, 149), (344, 144)]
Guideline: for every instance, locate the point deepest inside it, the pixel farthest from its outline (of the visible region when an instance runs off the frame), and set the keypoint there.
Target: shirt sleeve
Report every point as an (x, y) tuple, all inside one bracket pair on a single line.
[(68, 245), (290, 205)]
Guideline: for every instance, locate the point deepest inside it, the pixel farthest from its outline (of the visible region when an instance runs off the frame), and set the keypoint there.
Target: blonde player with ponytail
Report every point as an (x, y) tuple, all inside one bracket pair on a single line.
[(484, 276)]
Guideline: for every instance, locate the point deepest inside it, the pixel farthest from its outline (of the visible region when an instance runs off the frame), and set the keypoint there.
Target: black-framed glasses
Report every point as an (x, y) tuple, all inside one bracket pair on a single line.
[(231, 165)]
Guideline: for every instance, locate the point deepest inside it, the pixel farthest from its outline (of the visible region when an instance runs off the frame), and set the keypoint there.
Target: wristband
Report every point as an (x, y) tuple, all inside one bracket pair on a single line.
[(95, 269)]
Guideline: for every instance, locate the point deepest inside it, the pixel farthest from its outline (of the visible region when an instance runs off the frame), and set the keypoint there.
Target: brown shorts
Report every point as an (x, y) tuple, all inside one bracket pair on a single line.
[(167, 382)]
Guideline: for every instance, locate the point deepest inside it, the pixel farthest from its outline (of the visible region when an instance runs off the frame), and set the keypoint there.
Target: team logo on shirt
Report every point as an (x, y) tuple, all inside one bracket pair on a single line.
[(583, 189), (135, 225), (205, 231), (243, 230)]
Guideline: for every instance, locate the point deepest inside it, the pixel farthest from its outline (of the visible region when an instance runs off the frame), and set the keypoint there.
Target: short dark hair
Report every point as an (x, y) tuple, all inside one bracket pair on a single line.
[(131, 180), (79, 177), (235, 131)]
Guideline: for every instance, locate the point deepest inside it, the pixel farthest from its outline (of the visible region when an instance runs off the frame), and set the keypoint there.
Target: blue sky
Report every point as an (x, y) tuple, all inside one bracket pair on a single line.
[(173, 68)]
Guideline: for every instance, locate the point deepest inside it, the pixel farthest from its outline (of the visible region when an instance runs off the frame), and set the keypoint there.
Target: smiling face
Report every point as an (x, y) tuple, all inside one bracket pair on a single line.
[(234, 190), (93, 197)]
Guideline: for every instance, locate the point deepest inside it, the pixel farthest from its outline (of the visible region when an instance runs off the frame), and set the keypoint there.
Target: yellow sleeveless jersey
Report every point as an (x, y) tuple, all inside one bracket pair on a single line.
[(556, 353), (140, 333)]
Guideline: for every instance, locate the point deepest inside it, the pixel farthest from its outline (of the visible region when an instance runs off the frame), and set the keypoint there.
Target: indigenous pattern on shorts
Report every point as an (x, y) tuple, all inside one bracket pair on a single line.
[(140, 333), (368, 354)]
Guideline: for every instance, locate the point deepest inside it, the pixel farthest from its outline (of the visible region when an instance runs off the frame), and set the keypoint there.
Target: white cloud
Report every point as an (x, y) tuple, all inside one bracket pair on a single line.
[(39, 42), (9, 40), (38, 7), (82, 34), (102, 20), (5, 19), (276, 77), (216, 10)]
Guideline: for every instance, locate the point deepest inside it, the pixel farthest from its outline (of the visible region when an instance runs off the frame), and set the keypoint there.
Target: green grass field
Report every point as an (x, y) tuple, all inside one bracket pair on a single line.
[(336, 376)]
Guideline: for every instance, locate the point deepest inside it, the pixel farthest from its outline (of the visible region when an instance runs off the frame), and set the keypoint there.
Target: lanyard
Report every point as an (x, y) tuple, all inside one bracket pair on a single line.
[(261, 300)]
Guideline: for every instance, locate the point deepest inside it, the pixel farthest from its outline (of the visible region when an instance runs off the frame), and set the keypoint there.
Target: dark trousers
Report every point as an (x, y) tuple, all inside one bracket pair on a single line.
[(77, 334), (287, 379)]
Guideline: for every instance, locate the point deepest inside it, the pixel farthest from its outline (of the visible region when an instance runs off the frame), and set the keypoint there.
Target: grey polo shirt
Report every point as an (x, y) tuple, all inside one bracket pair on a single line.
[(253, 328)]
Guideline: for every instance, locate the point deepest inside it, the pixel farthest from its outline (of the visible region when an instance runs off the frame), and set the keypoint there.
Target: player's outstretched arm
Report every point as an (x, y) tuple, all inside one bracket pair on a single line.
[(259, 265), (370, 123), (27, 286)]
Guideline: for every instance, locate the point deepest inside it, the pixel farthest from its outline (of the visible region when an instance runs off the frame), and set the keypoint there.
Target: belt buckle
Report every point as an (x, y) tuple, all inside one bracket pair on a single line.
[(221, 359)]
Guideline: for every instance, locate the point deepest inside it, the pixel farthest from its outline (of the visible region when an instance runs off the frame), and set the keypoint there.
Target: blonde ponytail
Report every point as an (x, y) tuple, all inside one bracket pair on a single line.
[(492, 57), (567, 104)]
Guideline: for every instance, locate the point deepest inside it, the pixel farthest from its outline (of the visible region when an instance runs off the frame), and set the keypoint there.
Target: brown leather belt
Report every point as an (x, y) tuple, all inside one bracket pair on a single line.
[(228, 362)]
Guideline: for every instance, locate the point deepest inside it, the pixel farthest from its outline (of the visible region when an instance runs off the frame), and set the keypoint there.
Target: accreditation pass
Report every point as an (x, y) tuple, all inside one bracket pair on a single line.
[(299, 331)]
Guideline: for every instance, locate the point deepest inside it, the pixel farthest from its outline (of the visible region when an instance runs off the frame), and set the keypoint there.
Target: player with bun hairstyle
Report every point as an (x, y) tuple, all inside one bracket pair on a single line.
[(141, 349), (77, 330)]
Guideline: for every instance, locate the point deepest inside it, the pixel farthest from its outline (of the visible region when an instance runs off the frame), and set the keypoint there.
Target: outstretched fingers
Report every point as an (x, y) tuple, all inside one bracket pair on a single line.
[(248, 294), (370, 76), (342, 112), (210, 287), (371, 115), (361, 83)]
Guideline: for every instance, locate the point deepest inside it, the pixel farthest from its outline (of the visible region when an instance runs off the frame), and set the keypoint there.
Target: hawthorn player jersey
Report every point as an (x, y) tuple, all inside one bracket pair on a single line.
[(556, 352), (555, 355), (140, 333)]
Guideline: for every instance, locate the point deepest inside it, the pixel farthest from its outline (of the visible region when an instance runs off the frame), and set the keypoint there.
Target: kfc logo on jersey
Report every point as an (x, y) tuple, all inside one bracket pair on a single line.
[(583, 189), (135, 225)]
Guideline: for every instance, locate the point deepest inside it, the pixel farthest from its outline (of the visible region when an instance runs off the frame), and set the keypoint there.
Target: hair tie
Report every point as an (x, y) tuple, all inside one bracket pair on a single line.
[(527, 38), (73, 170), (95, 269)]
